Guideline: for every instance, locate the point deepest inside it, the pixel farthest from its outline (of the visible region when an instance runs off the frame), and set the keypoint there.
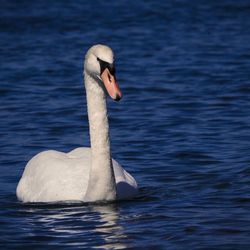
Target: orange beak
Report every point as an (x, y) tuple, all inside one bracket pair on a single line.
[(111, 85)]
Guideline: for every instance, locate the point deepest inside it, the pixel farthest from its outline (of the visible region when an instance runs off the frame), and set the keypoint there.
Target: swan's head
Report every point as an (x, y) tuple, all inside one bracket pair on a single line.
[(99, 63)]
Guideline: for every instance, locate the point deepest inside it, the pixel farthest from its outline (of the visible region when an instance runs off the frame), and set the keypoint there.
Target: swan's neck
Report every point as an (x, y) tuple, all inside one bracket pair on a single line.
[(101, 180)]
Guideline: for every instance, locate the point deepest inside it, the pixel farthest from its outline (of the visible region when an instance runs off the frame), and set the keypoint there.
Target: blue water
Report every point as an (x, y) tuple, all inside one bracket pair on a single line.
[(182, 128)]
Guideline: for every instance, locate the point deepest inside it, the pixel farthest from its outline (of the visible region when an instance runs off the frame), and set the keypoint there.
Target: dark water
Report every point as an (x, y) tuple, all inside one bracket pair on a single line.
[(182, 128)]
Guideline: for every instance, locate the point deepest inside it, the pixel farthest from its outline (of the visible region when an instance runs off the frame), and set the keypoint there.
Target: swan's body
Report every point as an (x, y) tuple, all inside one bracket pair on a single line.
[(55, 176), (84, 174)]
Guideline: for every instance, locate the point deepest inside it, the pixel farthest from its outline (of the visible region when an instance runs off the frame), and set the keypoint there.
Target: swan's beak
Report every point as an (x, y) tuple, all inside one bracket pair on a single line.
[(111, 85)]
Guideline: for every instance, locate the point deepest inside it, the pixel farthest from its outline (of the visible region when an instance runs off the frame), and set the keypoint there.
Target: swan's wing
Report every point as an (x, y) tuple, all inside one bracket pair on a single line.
[(125, 183), (55, 176)]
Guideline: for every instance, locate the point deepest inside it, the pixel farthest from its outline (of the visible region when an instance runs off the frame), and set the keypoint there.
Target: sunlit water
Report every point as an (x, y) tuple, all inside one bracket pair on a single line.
[(182, 128)]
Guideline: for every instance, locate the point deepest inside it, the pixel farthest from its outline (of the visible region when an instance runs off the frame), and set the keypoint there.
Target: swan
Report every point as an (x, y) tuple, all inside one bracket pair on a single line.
[(83, 174)]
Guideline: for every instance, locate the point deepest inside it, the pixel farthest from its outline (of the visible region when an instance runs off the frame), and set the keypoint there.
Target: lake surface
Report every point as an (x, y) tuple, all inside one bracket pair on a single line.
[(182, 129)]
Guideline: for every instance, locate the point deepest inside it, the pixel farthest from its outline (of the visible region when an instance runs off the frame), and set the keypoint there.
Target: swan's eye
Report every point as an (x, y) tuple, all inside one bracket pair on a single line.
[(105, 65)]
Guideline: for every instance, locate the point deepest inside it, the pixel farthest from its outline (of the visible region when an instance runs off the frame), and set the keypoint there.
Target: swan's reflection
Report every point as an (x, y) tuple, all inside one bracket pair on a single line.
[(112, 232), (95, 226)]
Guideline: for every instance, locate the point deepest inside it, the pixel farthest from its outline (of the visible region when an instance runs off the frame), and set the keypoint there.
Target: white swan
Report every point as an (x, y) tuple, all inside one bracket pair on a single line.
[(84, 174)]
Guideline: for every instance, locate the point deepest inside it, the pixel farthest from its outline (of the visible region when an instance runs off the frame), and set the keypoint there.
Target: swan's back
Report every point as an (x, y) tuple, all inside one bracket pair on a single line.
[(55, 176)]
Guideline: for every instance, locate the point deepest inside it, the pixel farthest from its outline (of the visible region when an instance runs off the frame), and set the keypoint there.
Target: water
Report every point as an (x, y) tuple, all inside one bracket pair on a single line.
[(182, 128)]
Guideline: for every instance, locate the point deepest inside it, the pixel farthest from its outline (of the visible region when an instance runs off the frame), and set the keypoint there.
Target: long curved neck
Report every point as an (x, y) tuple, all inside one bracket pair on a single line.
[(101, 179)]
